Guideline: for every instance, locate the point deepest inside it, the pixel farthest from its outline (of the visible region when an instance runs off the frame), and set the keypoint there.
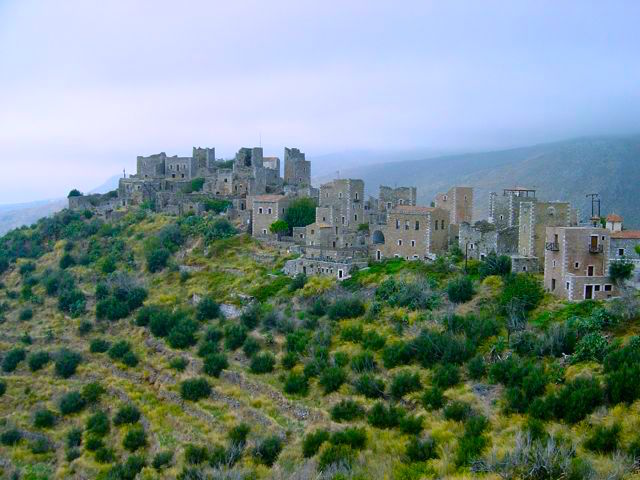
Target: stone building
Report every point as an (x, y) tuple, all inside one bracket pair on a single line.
[(534, 218), (297, 170), (477, 241), (623, 246), (504, 210), (458, 201), (341, 203), (265, 210), (389, 197), (576, 263), (412, 233)]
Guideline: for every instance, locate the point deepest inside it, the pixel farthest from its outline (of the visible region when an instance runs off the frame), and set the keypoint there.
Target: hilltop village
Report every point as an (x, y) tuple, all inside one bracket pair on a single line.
[(349, 231)]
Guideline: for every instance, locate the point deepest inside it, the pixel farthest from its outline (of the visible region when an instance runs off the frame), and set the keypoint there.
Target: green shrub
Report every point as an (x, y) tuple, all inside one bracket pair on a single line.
[(604, 439), (332, 379), (127, 414), (238, 434), (3, 387), (301, 212), (12, 359), (235, 335), (346, 308), (251, 315), (38, 360), (593, 346), (352, 333), (411, 424), (72, 301), (418, 450), (338, 455), (250, 347), (446, 376), (135, 439), (460, 290), (296, 383), (404, 383), (105, 455), (208, 309), (26, 314), (66, 261), (495, 265), (214, 364), (267, 450), (130, 359), (112, 309), (71, 402), (398, 353), (263, 363), (67, 362), (72, 454), (85, 327), (298, 281), (44, 418), (178, 363), (363, 362), (74, 437), (473, 441), (313, 441), (457, 411), (476, 367), (370, 386), (289, 360), (372, 340), (98, 424), (347, 410), (621, 270), (433, 398), (382, 417), (92, 392), (356, 438), (10, 437), (215, 205), (157, 259), (576, 399), (94, 443), (182, 335), (119, 350), (162, 459), (522, 289), (99, 345), (195, 389)]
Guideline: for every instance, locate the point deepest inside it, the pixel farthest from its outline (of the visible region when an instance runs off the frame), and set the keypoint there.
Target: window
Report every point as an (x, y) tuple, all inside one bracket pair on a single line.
[(173, 175), (182, 175), (596, 288), (413, 243), (334, 244), (397, 224), (356, 195), (343, 220), (339, 273), (621, 252), (436, 225), (355, 217), (269, 211), (608, 288), (554, 264), (324, 219), (524, 268), (313, 231), (336, 230), (567, 285), (553, 284), (576, 265), (590, 269), (226, 180), (442, 224), (406, 225), (399, 243), (264, 231), (389, 205), (260, 210), (401, 202), (415, 257), (417, 226), (501, 217), (378, 255), (340, 195), (444, 198)]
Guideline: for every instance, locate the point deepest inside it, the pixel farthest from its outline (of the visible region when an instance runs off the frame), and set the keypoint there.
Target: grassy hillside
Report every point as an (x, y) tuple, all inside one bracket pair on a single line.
[(565, 170), (169, 347)]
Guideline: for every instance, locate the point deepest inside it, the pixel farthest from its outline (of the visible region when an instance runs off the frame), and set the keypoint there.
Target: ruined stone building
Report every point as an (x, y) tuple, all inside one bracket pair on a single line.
[(623, 246), (265, 210), (458, 202)]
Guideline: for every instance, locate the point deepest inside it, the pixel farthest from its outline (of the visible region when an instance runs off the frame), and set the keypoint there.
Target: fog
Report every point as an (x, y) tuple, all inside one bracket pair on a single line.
[(85, 86)]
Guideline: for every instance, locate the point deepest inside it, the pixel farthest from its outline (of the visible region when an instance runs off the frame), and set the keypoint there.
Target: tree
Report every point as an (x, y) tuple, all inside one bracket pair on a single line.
[(279, 227), (525, 287), (495, 265), (74, 193), (301, 212), (621, 270)]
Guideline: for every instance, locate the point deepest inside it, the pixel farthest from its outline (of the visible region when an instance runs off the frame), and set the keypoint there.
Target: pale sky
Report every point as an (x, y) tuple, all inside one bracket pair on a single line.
[(85, 85)]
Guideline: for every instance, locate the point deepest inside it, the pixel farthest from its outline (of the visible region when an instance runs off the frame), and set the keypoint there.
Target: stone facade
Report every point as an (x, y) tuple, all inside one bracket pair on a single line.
[(478, 240), (458, 201), (534, 218), (390, 198), (576, 263), (267, 209), (297, 170)]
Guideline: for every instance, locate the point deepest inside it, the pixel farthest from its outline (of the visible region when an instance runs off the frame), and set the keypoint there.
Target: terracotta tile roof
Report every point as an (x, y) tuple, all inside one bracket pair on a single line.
[(630, 234), (268, 198), (412, 209), (614, 217)]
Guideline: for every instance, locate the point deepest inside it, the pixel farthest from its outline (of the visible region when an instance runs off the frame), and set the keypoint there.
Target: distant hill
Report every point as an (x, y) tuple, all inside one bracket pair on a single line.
[(19, 214), (566, 170)]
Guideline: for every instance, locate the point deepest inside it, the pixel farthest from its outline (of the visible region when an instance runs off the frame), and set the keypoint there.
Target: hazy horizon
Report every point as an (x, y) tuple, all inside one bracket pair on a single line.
[(85, 87)]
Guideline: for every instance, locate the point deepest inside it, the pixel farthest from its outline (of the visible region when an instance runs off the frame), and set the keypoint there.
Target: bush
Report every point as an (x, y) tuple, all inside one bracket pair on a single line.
[(523, 289), (12, 359), (301, 212), (71, 402), (620, 270), (182, 335), (250, 347), (127, 414), (66, 261), (263, 363), (10, 437), (289, 360), (347, 410), (119, 350), (105, 455), (130, 359), (473, 441), (313, 441), (338, 455), (235, 335), (296, 383), (94, 443), (72, 301), (382, 417), (38, 360), (363, 362), (214, 364), (92, 392), (268, 450), (355, 438), (576, 399), (67, 362), (135, 439), (297, 282), (591, 347), (352, 333), (195, 389), (44, 418), (74, 437), (112, 309), (604, 439), (98, 424), (446, 376), (85, 327), (398, 353), (178, 363), (238, 434), (418, 450), (332, 379), (26, 314), (403, 383), (208, 309), (495, 265), (370, 386), (162, 460), (433, 399), (460, 290), (411, 424), (250, 316), (372, 340), (157, 259), (346, 308), (3, 387), (476, 367), (457, 411), (99, 345)]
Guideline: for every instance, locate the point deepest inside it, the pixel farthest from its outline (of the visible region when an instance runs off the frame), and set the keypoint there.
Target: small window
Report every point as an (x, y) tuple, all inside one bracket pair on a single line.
[(596, 288), (260, 210), (355, 217), (554, 264), (397, 224), (444, 198), (621, 252), (343, 220), (340, 195), (567, 285), (324, 219), (399, 243), (501, 217), (264, 231), (313, 232), (270, 211), (356, 195), (524, 268), (417, 226), (442, 224), (576, 265), (608, 288), (388, 204), (413, 243), (406, 225)]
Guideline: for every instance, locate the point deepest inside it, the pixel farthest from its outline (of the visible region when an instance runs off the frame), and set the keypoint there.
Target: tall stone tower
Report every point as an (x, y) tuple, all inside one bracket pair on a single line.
[(297, 170)]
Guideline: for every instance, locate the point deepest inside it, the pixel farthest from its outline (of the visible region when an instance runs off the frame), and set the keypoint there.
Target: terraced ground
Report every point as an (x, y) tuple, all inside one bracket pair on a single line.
[(165, 347)]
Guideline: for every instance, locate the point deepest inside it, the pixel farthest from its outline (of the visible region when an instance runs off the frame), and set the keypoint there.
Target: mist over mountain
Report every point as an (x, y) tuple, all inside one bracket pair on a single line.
[(565, 170)]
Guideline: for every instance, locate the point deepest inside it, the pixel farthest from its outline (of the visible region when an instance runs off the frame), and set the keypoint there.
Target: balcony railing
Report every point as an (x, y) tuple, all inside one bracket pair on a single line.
[(552, 246), (596, 249)]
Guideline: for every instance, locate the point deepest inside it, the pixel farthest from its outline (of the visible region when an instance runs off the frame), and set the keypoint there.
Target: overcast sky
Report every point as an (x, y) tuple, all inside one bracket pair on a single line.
[(85, 86)]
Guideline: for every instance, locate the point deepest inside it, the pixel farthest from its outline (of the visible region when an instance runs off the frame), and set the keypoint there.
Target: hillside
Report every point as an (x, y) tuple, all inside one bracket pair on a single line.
[(566, 170), (166, 347)]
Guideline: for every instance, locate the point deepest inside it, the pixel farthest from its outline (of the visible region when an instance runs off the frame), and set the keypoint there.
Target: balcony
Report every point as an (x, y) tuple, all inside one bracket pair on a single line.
[(596, 249), (552, 246)]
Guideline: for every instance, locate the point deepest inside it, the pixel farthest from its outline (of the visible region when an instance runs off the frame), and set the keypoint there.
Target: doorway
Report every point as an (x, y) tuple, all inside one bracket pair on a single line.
[(588, 292)]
